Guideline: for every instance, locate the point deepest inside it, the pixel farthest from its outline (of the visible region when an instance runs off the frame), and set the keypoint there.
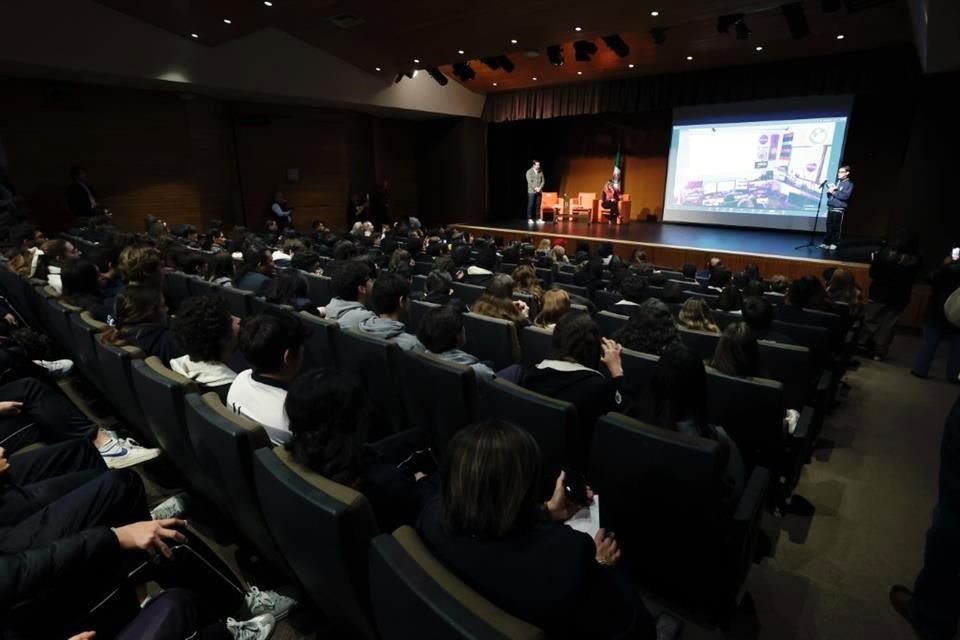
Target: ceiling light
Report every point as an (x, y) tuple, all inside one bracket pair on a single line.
[(534, 78), (193, 35), (227, 21), (654, 13), (631, 65), (841, 36), (377, 69), (759, 48), (689, 57), (460, 51), (494, 84), (579, 73), (578, 29), (513, 41), (267, 3)]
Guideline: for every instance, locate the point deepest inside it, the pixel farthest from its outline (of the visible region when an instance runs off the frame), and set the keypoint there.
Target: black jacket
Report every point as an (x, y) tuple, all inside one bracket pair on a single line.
[(155, 340), (254, 281), (943, 281), (892, 275), (78, 201), (547, 575)]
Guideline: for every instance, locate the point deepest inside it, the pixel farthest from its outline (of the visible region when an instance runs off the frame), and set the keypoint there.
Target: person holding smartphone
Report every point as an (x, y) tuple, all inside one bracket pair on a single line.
[(943, 281), (837, 203)]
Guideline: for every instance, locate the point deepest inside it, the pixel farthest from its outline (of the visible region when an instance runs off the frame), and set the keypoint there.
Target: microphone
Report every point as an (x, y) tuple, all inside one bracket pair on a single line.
[(824, 183)]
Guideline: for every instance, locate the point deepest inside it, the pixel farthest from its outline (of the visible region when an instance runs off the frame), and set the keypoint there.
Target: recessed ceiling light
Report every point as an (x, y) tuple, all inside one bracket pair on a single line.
[(578, 28), (759, 48), (534, 78), (841, 37), (416, 61), (494, 84), (377, 69), (267, 3), (513, 41), (654, 13), (579, 73), (631, 65), (689, 57), (460, 51), (194, 35), (227, 21)]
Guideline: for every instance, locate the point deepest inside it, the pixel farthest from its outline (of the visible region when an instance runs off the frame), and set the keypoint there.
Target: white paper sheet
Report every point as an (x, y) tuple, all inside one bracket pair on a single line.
[(587, 520)]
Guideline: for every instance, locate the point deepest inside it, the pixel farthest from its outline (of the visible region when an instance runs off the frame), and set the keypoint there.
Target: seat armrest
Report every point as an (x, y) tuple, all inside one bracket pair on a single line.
[(753, 497)]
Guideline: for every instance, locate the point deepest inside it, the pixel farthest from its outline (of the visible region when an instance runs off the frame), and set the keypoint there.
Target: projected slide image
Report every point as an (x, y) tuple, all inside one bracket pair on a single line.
[(760, 167)]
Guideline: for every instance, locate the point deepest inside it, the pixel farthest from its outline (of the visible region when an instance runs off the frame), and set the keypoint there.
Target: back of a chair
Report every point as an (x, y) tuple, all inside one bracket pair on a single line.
[(752, 411), (574, 290), (491, 339), (176, 288), (118, 377), (319, 289), (638, 369), (84, 329), (419, 281), (416, 309), (552, 423), (535, 343), (816, 339), (586, 199), (703, 342), (375, 363), (414, 595), (323, 529), (162, 395), (606, 299), (661, 492), (225, 443), (440, 396), (610, 322), (791, 366), (239, 300), (466, 293), (58, 321), (201, 287), (320, 345)]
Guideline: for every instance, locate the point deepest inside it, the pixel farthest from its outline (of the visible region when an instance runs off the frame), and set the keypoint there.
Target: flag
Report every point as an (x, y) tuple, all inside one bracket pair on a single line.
[(618, 171)]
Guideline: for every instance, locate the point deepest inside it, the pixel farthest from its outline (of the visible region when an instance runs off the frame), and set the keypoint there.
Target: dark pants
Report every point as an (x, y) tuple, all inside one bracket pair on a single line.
[(879, 323), (614, 210), (933, 332), (173, 615), (834, 226), (38, 478), (47, 416), (936, 595), (533, 205)]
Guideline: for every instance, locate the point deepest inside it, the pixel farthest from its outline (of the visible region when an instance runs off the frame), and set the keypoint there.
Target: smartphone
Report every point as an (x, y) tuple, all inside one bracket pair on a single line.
[(575, 487), (955, 254)]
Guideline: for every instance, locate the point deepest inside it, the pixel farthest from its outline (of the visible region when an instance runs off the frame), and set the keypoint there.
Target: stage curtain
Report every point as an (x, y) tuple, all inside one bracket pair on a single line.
[(888, 69)]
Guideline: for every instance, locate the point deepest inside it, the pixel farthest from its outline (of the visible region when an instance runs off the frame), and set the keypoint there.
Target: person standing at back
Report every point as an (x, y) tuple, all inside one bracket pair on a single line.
[(535, 182), (892, 272), (281, 211), (944, 281)]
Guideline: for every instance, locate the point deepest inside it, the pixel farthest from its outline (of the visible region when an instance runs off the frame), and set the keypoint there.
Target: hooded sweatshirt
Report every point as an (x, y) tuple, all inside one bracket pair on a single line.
[(462, 357), (389, 329), (348, 313)]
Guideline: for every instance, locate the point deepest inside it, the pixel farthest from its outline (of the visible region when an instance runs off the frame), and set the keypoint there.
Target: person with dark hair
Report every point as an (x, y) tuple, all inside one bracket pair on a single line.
[(535, 181), (192, 263), (205, 330), (140, 320), (307, 261), (730, 299), (633, 288), (273, 345), (220, 269), (650, 328), (720, 278), (480, 272), (56, 253), (590, 275), (281, 211), (257, 270), (441, 333), (216, 240), (672, 292), (571, 372), (737, 353), (779, 284), (81, 287), (758, 314), (27, 241), (892, 273), (352, 282), (329, 416), (689, 271), (438, 287), (525, 282), (81, 198), (490, 528), (837, 203), (389, 297), (497, 302), (290, 287), (805, 293), (556, 304), (695, 315)]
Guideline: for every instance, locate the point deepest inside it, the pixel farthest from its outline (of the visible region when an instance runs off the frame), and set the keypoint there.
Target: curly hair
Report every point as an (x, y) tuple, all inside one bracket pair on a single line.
[(329, 421), (202, 327), (140, 265), (525, 281), (650, 329)]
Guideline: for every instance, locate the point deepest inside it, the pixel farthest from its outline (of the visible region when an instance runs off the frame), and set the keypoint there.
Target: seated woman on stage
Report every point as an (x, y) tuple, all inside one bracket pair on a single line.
[(611, 201)]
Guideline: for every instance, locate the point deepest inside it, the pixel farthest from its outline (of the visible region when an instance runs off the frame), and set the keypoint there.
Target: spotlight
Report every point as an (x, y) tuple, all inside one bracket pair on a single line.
[(584, 50), (463, 71), (741, 30), (659, 35), (725, 22), (555, 55), (617, 45), (506, 64), (409, 74), (796, 19), (439, 77), (499, 62)]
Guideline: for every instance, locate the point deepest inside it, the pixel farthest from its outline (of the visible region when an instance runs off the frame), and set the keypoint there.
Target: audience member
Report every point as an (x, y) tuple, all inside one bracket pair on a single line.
[(650, 328), (141, 265), (81, 198), (633, 288), (389, 299), (56, 253), (558, 254), (480, 272), (556, 303), (779, 284), (140, 319), (207, 333), (307, 261), (81, 287), (256, 271), (730, 299), (695, 315), (273, 345), (497, 302), (892, 272), (758, 314), (438, 288), (220, 269), (441, 333), (737, 353), (843, 288), (525, 282), (489, 528), (289, 287), (352, 283)]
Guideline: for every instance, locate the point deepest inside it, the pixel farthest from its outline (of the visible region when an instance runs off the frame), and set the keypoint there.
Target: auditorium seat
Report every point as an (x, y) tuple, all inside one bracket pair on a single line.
[(466, 293), (85, 328), (533, 304), (545, 276), (535, 344), (415, 312), (115, 363), (441, 396), (552, 423), (606, 299), (176, 288), (375, 364), (319, 289), (414, 596), (319, 346), (323, 529), (201, 287), (58, 320), (610, 322), (418, 283), (491, 339), (240, 301), (259, 306), (662, 492), (225, 443), (574, 290)]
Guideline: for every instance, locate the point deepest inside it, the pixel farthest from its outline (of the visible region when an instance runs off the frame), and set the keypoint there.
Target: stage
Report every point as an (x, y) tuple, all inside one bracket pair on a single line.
[(673, 245)]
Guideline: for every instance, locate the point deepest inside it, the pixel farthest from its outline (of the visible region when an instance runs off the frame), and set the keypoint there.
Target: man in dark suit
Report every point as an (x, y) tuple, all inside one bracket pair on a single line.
[(933, 608), (81, 199), (837, 204)]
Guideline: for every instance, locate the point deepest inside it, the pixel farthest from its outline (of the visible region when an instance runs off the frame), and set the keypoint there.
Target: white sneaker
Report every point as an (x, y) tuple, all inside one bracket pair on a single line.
[(57, 368), (172, 507), (276, 604), (259, 628), (120, 453), (823, 245), (833, 247)]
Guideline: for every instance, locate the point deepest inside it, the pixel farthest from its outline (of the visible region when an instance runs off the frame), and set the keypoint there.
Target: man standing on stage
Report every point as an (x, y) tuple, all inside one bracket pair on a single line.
[(836, 206), (534, 191)]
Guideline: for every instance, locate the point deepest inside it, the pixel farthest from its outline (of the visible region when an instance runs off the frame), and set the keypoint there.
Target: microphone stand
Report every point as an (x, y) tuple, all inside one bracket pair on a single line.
[(810, 244)]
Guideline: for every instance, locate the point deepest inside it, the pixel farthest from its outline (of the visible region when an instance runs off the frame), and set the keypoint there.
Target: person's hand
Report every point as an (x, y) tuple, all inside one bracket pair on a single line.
[(85, 635), (522, 307), (10, 408), (151, 536), (11, 319), (558, 506), (608, 553), (4, 463), (611, 356)]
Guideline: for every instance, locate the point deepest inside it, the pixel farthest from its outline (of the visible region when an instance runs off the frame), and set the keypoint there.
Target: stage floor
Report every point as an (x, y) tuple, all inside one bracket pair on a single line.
[(753, 242)]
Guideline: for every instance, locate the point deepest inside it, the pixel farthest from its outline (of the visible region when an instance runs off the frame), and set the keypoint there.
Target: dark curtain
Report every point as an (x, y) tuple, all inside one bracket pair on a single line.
[(888, 69)]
